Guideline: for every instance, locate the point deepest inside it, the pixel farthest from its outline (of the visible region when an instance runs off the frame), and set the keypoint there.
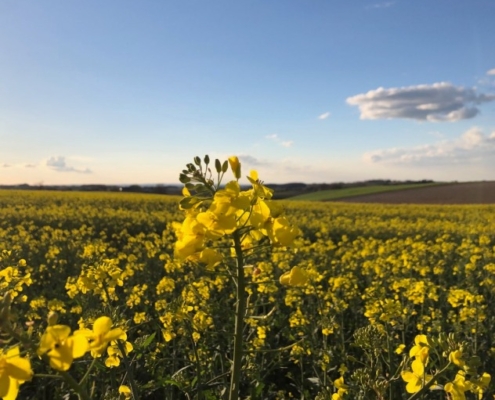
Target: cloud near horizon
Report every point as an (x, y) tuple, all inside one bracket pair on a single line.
[(58, 164), (275, 138), (473, 146), (438, 102)]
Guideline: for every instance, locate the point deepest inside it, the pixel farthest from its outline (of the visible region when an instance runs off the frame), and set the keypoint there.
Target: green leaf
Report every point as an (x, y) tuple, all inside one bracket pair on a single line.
[(148, 340), (189, 202), (207, 159), (197, 160)]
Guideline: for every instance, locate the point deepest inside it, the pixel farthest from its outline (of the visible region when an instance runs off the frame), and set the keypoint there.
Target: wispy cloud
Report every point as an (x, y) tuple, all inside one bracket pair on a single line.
[(437, 102), (277, 139), (30, 166), (325, 115), (58, 164), (491, 72), (472, 147), (253, 161), (384, 4), (5, 165)]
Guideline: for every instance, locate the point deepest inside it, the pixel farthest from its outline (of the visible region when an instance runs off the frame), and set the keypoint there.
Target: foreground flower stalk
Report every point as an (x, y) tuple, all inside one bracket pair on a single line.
[(246, 219), (239, 320)]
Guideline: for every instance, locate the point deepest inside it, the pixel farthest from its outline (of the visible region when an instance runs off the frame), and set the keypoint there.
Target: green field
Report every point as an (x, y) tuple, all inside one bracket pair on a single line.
[(335, 194)]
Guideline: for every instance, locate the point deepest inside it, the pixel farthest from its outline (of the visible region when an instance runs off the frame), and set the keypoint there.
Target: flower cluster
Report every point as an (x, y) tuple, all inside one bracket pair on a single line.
[(215, 212)]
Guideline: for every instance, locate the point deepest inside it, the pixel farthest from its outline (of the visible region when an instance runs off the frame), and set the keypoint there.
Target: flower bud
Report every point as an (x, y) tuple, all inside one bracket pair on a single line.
[(235, 165), (52, 318)]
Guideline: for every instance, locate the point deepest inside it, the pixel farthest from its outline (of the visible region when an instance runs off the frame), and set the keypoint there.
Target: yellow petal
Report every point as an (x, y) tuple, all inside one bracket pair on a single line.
[(125, 391), (4, 385), (61, 358), (13, 389), (285, 278), (418, 367), (114, 334), (20, 369), (297, 277), (112, 362), (102, 325), (79, 345), (407, 376)]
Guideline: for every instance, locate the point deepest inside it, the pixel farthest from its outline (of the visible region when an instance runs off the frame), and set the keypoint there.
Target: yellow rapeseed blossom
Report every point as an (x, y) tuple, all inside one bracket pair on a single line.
[(416, 378), (295, 277), (60, 347), (101, 335), (14, 370)]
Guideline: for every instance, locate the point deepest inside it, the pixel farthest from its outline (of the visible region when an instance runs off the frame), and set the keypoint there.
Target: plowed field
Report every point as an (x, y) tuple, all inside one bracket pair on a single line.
[(455, 193)]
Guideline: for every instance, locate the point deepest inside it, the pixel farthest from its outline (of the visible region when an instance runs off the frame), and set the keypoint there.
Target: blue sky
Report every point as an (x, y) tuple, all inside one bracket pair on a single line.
[(123, 91)]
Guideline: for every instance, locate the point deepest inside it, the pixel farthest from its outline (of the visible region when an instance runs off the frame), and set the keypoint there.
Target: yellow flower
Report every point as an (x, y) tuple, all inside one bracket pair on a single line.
[(457, 388), (456, 358), (416, 378), (295, 277), (125, 392), (400, 349), (260, 190), (210, 257), (421, 348), (14, 370), (235, 165), (341, 387), (101, 335), (114, 353), (283, 233), (217, 223), (62, 348)]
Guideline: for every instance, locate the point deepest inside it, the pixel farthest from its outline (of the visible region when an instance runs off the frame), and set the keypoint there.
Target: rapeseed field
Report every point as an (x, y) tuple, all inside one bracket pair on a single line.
[(115, 295)]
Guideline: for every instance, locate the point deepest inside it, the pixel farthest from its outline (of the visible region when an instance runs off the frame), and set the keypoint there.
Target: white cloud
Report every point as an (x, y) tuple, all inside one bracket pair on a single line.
[(437, 102), (58, 164), (472, 147), (491, 72), (325, 115), (385, 4), (277, 139)]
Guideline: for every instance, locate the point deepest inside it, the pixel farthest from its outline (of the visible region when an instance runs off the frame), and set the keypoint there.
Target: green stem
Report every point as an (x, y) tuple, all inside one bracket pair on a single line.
[(49, 376), (81, 393), (128, 368), (390, 366), (239, 320), (87, 372)]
